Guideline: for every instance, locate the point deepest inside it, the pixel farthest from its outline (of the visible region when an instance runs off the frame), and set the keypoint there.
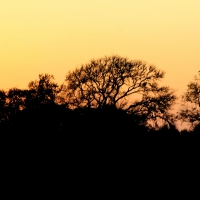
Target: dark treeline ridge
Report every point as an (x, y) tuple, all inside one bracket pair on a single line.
[(91, 109), (106, 129)]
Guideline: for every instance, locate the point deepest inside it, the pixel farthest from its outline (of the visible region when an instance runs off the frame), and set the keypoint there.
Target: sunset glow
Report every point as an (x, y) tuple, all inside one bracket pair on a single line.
[(48, 36)]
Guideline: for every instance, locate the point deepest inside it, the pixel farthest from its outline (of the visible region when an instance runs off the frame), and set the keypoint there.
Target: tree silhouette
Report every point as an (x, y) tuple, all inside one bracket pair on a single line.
[(35, 108), (3, 110), (116, 81), (190, 109), (43, 91)]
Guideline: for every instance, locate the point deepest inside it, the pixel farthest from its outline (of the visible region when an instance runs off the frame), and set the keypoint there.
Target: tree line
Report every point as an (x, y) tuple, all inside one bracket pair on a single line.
[(108, 98)]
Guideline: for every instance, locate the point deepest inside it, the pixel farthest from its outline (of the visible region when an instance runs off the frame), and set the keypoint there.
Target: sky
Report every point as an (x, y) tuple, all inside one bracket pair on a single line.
[(55, 36)]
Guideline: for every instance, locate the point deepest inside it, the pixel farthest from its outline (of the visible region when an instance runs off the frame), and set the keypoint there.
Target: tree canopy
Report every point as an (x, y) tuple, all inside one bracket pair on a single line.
[(130, 85), (111, 98)]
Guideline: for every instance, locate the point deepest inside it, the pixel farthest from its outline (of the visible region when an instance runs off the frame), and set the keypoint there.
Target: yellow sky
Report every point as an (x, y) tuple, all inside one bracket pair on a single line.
[(54, 36)]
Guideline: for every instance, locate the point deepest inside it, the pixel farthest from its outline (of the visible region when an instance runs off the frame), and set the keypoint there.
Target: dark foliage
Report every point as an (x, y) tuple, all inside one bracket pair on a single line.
[(39, 118)]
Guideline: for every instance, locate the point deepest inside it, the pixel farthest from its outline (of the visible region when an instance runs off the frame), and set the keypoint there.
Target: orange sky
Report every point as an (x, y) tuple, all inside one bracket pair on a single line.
[(54, 36)]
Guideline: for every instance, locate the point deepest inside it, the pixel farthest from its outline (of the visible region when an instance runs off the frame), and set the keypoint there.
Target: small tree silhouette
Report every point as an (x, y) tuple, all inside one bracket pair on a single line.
[(43, 91), (190, 109)]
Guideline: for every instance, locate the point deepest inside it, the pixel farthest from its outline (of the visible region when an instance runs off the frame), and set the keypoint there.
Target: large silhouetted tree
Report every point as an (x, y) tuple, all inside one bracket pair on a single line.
[(118, 81)]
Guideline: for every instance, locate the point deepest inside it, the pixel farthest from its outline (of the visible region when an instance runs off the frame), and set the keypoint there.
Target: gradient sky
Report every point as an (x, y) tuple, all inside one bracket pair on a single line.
[(55, 36)]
